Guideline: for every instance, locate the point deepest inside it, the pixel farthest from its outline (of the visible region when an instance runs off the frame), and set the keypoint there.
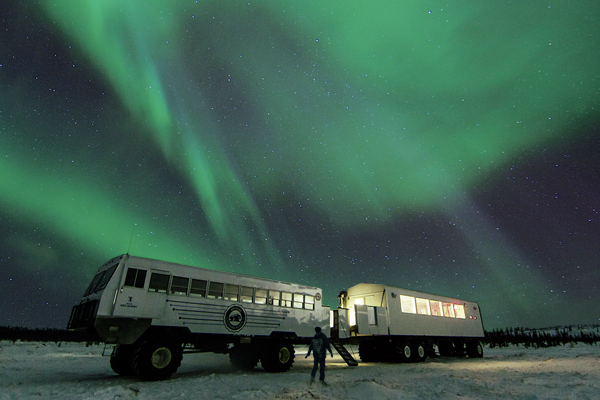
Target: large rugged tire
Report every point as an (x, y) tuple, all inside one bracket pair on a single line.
[(403, 351), (121, 361), (419, 352), (474, 349), (277, 357), (155, 359), (244, 356)]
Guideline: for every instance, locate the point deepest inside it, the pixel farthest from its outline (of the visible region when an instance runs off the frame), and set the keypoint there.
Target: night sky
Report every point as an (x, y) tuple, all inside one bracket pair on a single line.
[(445, 147)]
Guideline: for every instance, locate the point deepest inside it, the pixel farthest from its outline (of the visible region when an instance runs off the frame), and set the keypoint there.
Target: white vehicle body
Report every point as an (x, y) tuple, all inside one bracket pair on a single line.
[(379, 310), (203, 301), (390, 320), (154, 310)]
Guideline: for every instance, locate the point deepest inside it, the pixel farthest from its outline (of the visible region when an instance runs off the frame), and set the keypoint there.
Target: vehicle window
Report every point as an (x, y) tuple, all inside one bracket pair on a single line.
[(247, 293), (106, 277), (436, 308), (231, 292), (372, 316), (274, 296), (135, 277), (298, 300), (408, 304), (459, 311), (286, 299), (100, 280), (448, 310), (261, 296), (158, 283), (423, 307), (94, 283), (198, 288), (309, 302), (179, 285), (215, 290)]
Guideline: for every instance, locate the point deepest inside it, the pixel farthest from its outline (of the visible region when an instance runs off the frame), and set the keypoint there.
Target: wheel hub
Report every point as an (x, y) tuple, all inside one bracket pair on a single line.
[(284, 355), (161, 357), (407, 351)]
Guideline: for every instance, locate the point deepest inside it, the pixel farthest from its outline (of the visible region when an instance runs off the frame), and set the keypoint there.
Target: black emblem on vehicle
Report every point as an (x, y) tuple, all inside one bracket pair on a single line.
[(235, 318)]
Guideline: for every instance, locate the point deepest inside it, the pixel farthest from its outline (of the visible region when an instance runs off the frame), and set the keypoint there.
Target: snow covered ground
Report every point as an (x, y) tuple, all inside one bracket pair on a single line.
[(75, 371)]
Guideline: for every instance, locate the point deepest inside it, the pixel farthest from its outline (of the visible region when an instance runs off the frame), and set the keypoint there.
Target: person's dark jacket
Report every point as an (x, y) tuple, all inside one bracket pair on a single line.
[(319, 344)]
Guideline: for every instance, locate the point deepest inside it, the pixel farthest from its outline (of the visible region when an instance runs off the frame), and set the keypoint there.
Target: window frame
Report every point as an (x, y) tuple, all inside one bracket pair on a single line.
[(448, 309), (246, 294), (408, 304), (198, 291), (436, 308), (309, 302), (287, 299), (459, 311), (179, 292), (274, 301), (157, 284), (231, 292), (257, 297), (213, 293), (424, 307)]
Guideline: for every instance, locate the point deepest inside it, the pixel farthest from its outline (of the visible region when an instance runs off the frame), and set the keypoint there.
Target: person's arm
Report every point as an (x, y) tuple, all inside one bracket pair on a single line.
[(328, 347), (309, 350)]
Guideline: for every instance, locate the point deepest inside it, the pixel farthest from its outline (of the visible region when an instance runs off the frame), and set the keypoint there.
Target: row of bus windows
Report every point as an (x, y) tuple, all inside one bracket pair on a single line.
[(179, 285), (415, 305)]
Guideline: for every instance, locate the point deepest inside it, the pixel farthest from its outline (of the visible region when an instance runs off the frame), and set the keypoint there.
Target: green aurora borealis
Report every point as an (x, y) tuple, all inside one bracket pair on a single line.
[(445, 147)]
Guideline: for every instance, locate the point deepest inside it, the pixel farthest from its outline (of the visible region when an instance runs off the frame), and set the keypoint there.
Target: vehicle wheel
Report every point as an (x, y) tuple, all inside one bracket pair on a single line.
[(419, 354), (244, 357), (474, 349), (277, 357), (121, 360), (156, 359), (403, 351)]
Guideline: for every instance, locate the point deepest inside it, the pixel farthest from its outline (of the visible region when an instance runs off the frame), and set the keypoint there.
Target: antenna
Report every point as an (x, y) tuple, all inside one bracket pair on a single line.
[(131, 238)]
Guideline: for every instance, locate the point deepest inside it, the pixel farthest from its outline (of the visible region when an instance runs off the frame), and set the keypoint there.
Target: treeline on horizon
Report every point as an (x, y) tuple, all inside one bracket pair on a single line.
[(546, 337), (45, 335)]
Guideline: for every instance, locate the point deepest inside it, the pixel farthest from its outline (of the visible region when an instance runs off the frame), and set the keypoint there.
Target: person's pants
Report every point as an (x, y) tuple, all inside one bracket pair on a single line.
[(320, 364)]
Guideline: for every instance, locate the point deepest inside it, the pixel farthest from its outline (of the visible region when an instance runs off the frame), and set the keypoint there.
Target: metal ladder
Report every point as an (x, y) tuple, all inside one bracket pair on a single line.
[(344, 353)]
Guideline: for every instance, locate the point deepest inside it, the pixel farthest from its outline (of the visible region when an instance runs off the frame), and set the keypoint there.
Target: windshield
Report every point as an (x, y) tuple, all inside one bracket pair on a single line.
[(100, 280)]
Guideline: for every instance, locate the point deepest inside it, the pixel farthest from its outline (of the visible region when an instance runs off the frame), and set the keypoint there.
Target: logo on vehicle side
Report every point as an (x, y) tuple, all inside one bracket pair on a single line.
[(234, 318)]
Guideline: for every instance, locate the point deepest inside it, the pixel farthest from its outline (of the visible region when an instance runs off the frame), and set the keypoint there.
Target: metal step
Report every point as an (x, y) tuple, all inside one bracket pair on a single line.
[(344, 353)]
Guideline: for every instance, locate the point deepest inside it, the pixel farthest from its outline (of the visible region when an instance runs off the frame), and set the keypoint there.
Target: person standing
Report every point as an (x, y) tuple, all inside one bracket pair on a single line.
[(319, 345)]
